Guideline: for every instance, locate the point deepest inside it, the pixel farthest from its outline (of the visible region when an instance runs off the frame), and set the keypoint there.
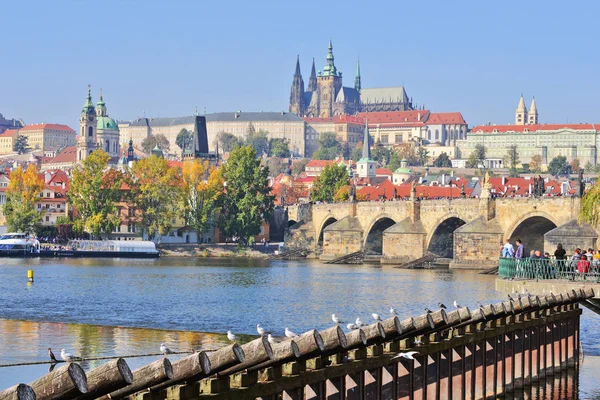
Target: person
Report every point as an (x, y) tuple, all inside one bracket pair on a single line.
[(583, 265), (508, 251), (576, 255), (532, 254), (560, 253), (520, 249), (590, 254), (539, 255)]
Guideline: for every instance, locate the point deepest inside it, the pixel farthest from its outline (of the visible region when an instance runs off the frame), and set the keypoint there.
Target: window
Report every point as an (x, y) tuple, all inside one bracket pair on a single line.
[(437, 134), (47, 218), (90, 131), (398, 138)]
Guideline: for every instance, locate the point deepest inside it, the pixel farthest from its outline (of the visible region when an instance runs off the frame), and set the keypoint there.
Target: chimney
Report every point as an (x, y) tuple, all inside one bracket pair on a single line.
[(503, 180), (530, 188), (418, 116)]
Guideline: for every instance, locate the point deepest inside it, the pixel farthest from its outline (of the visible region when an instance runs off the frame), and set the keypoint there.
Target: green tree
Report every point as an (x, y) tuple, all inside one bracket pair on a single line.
[(21, 145), (279, 147), (227, 141), (94, 193), (276, 165), (395, 161), (298, 166), (202, 187), (558, 165), (535, 165), (22, 194), (246, 202), (185, 140), (407, 152), (152, 141), (512, 159), (357, 152), (422, 155), (331, 180), (477, 157), (328, 147), (381, 154), (442, 161), (156, 191), (259, 140)]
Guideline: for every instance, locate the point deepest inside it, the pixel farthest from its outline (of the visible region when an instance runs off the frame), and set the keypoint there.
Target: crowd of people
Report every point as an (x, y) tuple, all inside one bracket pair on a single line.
[(580, 261)]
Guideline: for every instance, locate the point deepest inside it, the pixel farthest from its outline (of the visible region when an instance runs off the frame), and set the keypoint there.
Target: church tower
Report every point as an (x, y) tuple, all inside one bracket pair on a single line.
[(130, 155), (329, 84), (107, 130), (312, 81), (532, 116), (521, 113), (87, 129), (297, 92), (357, 79), (366, 167)]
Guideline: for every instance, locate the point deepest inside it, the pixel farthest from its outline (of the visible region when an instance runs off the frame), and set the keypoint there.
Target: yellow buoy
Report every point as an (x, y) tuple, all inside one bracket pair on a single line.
[(30, 275)]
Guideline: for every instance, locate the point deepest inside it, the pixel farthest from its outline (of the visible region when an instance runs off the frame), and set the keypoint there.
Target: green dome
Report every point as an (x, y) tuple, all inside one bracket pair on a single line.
[(107, 123), (403, 171)]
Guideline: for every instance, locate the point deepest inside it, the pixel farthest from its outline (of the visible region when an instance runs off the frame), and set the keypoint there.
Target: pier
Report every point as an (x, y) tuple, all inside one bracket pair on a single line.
[(461, 353)]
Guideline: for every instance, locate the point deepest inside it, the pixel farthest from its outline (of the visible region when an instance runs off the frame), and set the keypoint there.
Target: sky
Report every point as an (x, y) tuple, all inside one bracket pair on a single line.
[(163, 59)]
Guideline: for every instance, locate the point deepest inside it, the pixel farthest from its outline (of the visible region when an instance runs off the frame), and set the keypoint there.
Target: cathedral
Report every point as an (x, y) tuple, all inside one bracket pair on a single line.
[(325, 96), (97, 130)]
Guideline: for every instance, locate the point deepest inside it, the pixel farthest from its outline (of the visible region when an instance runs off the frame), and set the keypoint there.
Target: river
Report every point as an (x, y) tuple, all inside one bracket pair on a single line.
[(112, 307)]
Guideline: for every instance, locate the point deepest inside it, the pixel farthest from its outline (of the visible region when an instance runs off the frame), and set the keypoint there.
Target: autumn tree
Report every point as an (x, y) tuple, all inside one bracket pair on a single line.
[(535, 165), (94, 193), (246, 202), (202, 186), (299, 165), (332, 179), (152, 141), (156, 192), (477, 157), (23, 192), (575, 165)]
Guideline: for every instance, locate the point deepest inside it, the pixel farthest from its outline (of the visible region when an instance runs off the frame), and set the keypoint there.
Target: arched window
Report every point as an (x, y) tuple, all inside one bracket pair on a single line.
[(107, 146), (90, 131), (437, 134), (82, 131), (429, 134)]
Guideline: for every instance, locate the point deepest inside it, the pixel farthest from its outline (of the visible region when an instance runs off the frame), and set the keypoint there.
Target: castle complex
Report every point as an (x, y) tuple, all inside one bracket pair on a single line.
[(325, 96)]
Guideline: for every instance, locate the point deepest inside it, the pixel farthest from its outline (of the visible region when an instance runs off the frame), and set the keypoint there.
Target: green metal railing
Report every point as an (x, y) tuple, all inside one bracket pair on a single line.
[(531, 268)]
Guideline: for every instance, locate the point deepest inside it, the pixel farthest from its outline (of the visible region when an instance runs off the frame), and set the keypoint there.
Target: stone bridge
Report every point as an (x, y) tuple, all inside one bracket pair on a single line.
[(469, 231)]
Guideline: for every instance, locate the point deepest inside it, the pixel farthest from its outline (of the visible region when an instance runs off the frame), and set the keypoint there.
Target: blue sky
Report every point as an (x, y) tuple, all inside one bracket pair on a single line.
[(166, 58)]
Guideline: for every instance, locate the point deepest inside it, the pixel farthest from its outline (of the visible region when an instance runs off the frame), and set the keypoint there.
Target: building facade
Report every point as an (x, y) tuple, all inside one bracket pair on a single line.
[(325, 95), (48, 136), (7, 141), (348, 129)]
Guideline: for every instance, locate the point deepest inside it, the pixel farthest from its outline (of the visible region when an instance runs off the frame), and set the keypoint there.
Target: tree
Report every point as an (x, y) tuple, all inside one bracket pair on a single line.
[(276, 166), (575, 165), (21, 145), (442, 161), (185, 140), (246, 202), (357, 152), (152, 141), (156, 192), (258, 140), (94, 193), (588, 167), (512, 159), (558, 165), (477, 157), (395, 161), (422, 155), (343, 194), (332, 178), (298, 166), (22, 194), (328, 147), (279, 147), (381, 154), (535, 165), (227, 141), (202, 187), (406, 151)]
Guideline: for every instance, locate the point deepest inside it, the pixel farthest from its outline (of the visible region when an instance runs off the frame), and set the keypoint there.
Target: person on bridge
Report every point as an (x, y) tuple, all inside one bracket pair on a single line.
[(520, 249), (583, 265), (560, 253), (508, 251)]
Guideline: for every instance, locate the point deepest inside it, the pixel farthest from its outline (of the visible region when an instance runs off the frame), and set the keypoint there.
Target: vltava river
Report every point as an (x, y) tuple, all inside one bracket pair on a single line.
[(88, 306)]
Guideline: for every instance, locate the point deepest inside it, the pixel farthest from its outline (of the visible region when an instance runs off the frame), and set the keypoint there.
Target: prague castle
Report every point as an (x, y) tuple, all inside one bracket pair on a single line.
[(325, 96)]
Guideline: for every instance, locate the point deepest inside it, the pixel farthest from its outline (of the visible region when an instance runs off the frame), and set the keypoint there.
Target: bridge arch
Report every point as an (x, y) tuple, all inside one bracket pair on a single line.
[(374, 235), (531, 228), (328, 221), (440, 240)]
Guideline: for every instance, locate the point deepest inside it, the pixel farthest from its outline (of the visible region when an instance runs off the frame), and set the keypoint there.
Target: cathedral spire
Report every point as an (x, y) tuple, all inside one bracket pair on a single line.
[(297, 73), (297, 91), (88, 107), (330, 66), (357, 79), (312, 81)]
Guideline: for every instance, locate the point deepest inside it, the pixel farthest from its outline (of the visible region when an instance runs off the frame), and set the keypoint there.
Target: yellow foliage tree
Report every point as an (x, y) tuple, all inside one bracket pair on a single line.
[(24, 190)]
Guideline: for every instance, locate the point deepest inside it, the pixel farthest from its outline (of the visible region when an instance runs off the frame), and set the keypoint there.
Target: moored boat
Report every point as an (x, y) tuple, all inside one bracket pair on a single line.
[(104, 249), (19, 245)]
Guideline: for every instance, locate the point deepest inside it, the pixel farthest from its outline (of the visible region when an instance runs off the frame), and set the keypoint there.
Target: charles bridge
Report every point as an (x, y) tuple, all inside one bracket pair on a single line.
[(467, 231)]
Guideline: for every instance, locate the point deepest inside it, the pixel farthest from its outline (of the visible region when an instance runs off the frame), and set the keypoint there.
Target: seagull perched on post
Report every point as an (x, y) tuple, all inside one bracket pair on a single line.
[(352, 326), (165, 350), (260, 330), (393, 311), (528, 294), (51, 354), (359, 322), (231, 337), (376, 317), (441, 305), (270, 339), (68, 357), (456, 304), (289, 333), (336, 319), (427, 310), (409, 355)]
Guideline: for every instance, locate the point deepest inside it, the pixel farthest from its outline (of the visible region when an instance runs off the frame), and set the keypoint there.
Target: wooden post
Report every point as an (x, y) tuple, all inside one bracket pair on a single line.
[(66, 382), (407, 325), (439, 318), (18, 392), (422, 323), (310, 342), (333, 339), (107, 378), (356, 338), (191, 367), (255, 352), (145, 377), (392, 327), (285, 350), (375, 333)]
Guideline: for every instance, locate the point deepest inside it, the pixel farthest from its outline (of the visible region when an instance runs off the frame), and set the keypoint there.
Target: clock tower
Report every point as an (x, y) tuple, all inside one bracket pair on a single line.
[(87, 141)]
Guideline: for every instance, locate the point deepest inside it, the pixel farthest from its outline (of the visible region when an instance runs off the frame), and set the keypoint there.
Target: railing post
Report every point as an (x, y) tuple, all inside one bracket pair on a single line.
[(354, 386)]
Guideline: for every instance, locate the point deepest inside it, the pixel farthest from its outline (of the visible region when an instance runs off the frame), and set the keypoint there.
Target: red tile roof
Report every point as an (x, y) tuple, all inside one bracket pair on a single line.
[(383, 171), (532, 128), (9, 132), (386, 191), (68, 155), (520, 186), (319, 163), (446, 118), (55, 127), (394, 117)]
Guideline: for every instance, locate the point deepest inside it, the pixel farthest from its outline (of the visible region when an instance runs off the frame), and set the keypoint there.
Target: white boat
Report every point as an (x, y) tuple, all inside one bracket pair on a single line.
[(18, 245), (105, 248)]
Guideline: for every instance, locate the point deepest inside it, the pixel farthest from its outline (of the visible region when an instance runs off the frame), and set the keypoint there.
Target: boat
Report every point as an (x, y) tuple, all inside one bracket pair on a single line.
[(104, 249), (19, 245)]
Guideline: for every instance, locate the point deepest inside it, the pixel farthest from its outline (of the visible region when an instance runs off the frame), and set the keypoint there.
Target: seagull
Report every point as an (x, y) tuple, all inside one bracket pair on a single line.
[(441, 305), (418, 342), (66, 356), (359, 322), (165, 350), (289, 333), (376, 317), (231, 337), (456, 304), (519, 296), (352, 326), (51, 354), (260, 330), (393, 311), (528, 294), (270, 339), (409, 355), (336, 319), (427, 310)]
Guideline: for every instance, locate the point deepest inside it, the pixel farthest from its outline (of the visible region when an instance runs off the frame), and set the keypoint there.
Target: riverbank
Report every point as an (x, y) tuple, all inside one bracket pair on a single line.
[(216, 251)]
